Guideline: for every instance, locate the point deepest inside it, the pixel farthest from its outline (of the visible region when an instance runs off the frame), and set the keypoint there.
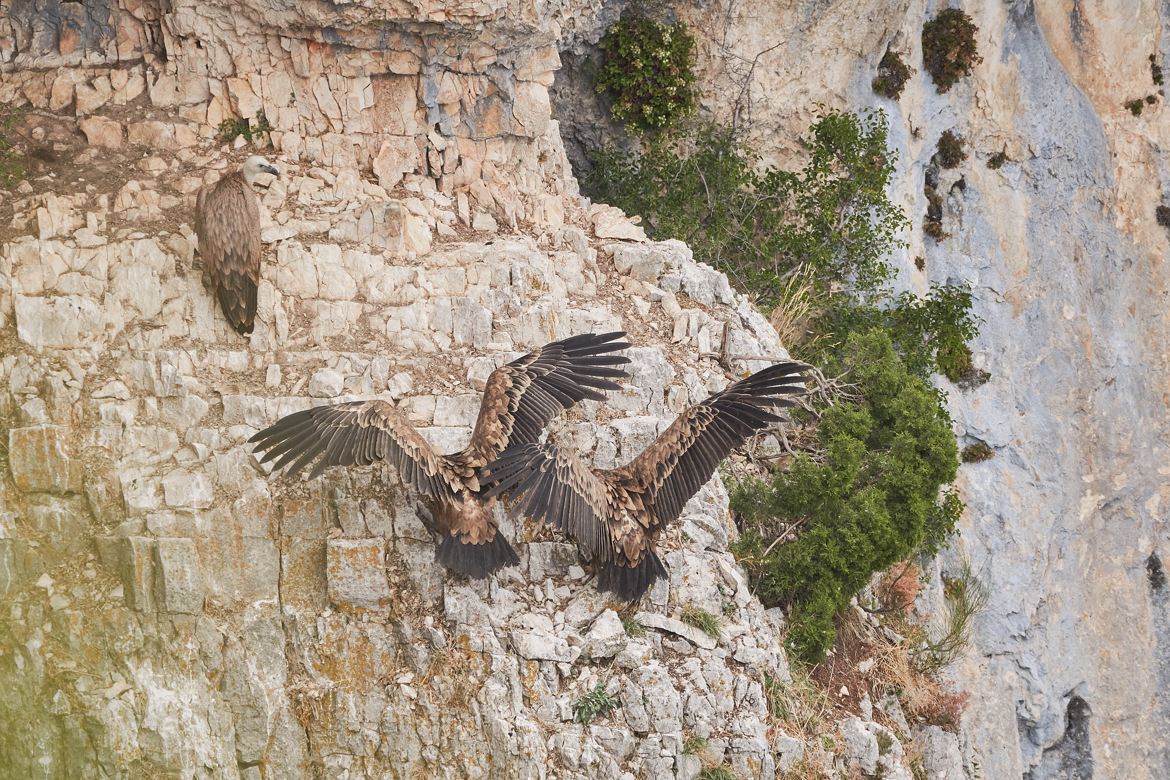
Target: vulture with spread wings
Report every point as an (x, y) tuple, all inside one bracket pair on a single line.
[(616, 514), (520, 399)]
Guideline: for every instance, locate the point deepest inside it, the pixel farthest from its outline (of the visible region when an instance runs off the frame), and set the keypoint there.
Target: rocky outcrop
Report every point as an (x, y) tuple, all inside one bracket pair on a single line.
[(1061, 244), (170, 609)]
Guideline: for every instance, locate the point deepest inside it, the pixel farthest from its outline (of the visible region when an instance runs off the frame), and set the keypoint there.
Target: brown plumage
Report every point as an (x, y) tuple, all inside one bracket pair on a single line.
[(227, 222), (616, 514), (520, 399)]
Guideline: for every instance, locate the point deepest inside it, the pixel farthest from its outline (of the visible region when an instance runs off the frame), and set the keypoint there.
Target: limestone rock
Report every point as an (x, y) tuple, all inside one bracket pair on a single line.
[(103, 132), (356, 572)]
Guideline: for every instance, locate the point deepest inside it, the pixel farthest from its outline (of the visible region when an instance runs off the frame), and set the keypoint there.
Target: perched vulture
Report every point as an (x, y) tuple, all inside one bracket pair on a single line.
[(616, 514), (227, 221), (520, 399)]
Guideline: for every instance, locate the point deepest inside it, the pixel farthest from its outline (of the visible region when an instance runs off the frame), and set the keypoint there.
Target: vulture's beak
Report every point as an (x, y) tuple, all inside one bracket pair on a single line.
[(271, 169)]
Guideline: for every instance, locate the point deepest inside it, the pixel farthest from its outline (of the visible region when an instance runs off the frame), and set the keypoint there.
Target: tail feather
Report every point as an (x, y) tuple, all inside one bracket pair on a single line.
[(631, 582), (476, 560), (237, 297)]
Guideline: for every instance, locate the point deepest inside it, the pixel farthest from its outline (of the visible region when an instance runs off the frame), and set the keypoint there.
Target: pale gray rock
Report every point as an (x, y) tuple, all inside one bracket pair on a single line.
[(179, 579), (678, 628), (356, 572), (326, 383), (606, 636)]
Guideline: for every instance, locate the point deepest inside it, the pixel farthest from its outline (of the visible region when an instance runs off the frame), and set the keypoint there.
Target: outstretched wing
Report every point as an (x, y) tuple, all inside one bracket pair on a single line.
[(522, 397), (228, 224), (356, 433), (554, 486), (678, 462)]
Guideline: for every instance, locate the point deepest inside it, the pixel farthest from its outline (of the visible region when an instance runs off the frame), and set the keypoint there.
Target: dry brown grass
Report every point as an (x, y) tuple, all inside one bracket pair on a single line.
[(797, 308)]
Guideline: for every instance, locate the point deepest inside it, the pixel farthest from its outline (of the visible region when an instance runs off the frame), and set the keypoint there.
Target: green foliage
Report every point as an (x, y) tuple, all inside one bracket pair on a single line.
[(633, 628), (966, 596), (647, 72), (892, 75), (230, 128), (977, 453), (702, 620), (1135, 106), (948, 47), (996, 161), (1155, 70), (950, 152), (11, 158), (716, 773), (595, 703), (866, 502), (759, 225), (695, 745), (941, 521)]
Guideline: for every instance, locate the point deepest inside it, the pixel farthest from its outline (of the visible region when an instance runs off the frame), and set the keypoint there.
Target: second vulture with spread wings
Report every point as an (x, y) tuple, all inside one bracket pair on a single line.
[(616, 514), (520, 399)]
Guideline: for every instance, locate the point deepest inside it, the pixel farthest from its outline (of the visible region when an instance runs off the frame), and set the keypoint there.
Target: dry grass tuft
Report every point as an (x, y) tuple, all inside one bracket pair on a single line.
[(797, 307)]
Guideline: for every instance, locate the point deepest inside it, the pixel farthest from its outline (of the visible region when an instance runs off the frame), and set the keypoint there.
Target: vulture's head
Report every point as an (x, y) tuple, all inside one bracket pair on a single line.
[(255, 165)]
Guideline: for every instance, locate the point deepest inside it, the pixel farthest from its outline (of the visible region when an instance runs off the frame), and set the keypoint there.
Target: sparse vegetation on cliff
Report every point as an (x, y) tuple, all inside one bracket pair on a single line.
[(949, 151), (250, 129), (948, 47), (864, 488), (865, 501), (892, 75), (647, 73)]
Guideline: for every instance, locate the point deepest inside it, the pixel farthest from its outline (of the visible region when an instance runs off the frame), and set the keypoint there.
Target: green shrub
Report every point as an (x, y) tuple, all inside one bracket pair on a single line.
[(702, 620), (716, 773), (593, 704), (866, 501), (647, 72), (1135, 106), (977, 453), (1155, 70), (966, 596), (633, 628), (949, 152), (996, 161), (834, 214), (892, 75), (948, 47), (232, 127)]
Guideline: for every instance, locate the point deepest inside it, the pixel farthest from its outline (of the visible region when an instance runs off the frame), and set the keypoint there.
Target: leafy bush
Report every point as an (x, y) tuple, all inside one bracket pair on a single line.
[(593, 704), (977, 453), (892, 75), (1155, 70), (647, 72), (866, 503), (230, 128), (949, 152), (1135, 106), (759, 226), (996, 161), (948, 47)]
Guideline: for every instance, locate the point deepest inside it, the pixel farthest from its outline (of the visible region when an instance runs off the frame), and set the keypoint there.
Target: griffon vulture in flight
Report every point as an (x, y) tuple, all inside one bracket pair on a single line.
[(520, 399), (227, 221), (616, 514)]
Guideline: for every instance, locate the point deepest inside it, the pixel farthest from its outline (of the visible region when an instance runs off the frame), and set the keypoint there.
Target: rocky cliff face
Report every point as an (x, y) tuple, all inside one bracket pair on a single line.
[(172, 611), (1067, 261)]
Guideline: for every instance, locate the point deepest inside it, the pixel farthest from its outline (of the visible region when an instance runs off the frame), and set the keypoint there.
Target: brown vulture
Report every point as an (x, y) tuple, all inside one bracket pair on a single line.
[(520, 399), (615, 514), (227, 222)]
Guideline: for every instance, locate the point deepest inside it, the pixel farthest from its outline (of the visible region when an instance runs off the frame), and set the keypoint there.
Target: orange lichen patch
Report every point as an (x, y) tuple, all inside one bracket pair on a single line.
[(41, 462), (351, 659)]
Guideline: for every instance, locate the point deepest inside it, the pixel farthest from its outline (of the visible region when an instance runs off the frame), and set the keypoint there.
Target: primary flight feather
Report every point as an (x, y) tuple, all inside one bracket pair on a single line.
[(615, 514), (519, 400)]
